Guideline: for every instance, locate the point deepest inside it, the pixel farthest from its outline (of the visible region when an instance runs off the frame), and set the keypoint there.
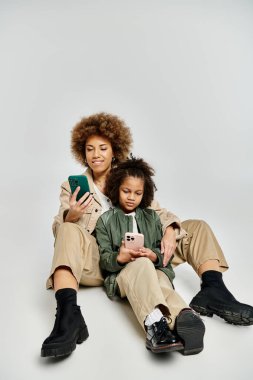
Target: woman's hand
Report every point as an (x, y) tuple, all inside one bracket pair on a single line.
[(77, 208), (168, 244)]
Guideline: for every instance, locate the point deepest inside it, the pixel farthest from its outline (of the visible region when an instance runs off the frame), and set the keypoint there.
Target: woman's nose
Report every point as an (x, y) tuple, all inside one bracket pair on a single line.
[(96, 153)]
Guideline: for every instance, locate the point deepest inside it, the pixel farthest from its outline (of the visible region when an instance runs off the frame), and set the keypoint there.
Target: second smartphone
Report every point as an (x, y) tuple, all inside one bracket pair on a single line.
[(79, 180)]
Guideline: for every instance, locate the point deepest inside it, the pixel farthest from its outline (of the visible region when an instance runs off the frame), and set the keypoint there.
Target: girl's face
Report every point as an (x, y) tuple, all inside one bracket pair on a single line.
[(99, 154), (130, 193)]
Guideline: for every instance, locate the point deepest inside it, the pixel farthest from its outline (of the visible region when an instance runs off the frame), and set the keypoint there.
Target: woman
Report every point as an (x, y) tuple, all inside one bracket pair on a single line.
[(99, 142)]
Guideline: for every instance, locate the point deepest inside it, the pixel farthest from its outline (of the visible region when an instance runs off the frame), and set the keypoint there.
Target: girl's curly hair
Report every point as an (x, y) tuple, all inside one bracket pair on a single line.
[(105, 125), (134, 167)]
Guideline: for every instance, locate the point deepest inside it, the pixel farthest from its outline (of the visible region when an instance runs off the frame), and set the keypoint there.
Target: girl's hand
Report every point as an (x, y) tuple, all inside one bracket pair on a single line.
[(77, 208), (168, 244), (146, 252), (125, 255)]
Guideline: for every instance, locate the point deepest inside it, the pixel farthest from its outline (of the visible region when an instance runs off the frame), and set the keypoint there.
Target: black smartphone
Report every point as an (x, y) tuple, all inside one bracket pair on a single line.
[(79, 180)]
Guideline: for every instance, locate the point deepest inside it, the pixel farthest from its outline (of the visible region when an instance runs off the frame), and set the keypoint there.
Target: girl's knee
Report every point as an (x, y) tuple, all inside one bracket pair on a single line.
[(143, 262)]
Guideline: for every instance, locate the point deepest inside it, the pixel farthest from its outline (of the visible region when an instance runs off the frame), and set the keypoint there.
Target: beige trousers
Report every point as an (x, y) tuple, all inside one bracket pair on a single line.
[(199, 246), (147, 287), (78, 250)]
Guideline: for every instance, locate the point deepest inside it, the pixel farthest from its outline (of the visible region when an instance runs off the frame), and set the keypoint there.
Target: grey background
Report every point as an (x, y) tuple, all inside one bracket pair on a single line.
[(180, 74)]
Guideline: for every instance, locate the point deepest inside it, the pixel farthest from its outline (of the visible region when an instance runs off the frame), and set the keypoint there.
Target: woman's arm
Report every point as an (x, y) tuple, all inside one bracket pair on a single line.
[(70, 210), (167, 218), (77, 208), (172, 231)]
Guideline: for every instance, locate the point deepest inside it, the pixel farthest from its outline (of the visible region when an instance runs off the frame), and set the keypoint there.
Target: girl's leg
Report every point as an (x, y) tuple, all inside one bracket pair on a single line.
[(184, 321), (174, 301), (138, 282)]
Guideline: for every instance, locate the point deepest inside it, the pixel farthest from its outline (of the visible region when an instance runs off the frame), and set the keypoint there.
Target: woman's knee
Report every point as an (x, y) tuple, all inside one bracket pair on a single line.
[(66, 226)]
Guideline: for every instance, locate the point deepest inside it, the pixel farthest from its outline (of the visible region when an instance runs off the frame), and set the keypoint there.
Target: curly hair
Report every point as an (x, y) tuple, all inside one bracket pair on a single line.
[(134, 167), (106, 125)]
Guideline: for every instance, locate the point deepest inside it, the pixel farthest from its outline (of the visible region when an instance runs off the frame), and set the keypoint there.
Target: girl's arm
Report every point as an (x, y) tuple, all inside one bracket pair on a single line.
[(108, 257)]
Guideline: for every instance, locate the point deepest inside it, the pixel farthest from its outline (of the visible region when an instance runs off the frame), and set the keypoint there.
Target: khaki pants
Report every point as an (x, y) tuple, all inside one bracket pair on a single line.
[(147, 287), (78, 250), (199, 246)]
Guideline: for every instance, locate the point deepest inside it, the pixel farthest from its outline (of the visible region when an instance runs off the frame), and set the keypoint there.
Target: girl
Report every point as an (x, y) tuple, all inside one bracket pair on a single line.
[(139, 274)]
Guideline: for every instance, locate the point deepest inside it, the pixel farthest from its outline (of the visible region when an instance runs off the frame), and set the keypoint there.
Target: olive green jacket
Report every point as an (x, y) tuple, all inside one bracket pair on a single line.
[(110, 231)]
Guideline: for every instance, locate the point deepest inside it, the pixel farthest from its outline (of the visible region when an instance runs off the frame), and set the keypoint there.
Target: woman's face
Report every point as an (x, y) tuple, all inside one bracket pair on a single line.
[(130, 193), (99, 154)]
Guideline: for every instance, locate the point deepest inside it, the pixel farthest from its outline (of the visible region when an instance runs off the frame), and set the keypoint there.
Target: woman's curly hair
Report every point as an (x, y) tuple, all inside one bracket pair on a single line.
[(134, 167), (105, 125)]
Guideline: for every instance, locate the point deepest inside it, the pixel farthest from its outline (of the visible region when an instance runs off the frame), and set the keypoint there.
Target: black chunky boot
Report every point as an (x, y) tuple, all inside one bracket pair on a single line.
[(190, 329), (69, 328), (215, 298)]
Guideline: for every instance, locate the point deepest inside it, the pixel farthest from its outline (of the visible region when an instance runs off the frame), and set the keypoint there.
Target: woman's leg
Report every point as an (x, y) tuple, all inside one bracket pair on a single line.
[(200, 248), (202, 251), (75, 261), (63, 278), (76, 256)]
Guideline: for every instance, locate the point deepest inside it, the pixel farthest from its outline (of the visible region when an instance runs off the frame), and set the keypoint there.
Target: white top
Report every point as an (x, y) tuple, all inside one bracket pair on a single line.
[(135, 228), (104, 200)]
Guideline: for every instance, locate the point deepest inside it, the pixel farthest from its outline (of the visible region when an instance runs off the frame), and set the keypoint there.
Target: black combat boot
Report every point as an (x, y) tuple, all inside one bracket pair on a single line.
[(190, 329), (215, 298), (69, 327)]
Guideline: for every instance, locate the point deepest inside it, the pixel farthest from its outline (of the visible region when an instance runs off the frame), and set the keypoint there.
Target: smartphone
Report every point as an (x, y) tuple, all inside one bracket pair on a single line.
[(79, 180), (134, 241)]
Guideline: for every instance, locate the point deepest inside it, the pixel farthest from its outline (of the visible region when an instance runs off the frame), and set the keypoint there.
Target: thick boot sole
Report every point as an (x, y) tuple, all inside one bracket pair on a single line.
[(64, 349), (191, 330), (166, 348), (228, 315)]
